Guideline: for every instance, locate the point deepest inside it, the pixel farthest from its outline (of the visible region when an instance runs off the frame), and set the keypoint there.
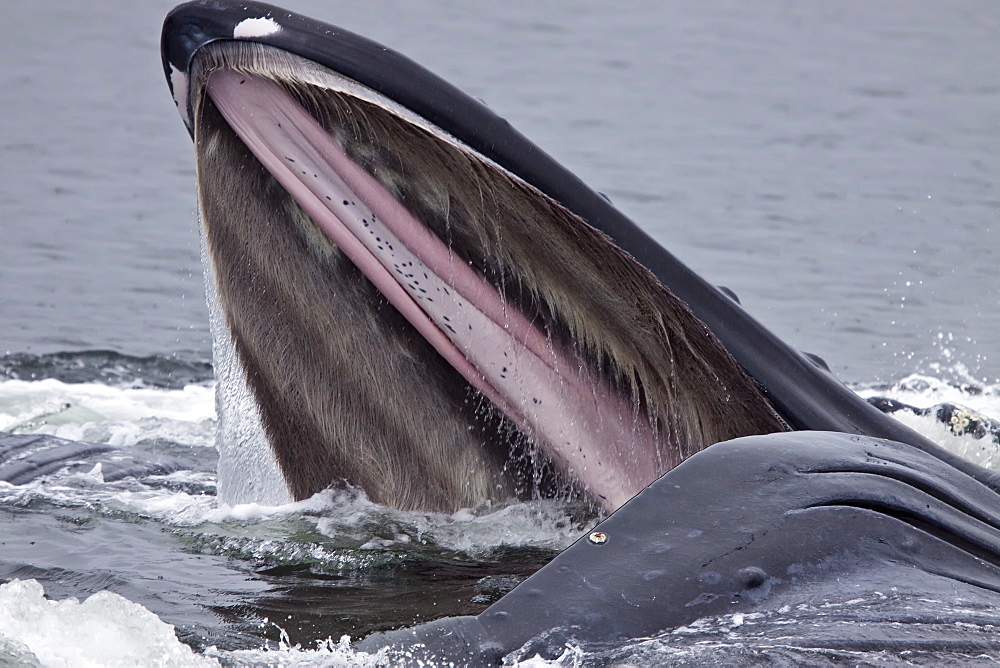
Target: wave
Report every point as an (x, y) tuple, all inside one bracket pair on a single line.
[(172, 371), (232, 574)]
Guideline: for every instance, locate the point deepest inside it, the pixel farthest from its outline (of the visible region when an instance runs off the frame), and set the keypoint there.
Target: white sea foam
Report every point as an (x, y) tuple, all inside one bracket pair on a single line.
[(923, 391), (70, 633), (327, 654), (109, 630), (544, 524), (89, 489), (101, 413), (104, 630), (349, 514), (125, 416)]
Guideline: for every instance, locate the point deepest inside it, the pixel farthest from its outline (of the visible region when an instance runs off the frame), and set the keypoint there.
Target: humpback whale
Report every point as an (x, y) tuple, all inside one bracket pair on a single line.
[(416, 300)]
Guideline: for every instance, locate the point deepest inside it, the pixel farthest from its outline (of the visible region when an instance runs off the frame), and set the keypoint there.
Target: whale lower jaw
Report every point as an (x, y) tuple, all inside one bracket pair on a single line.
[(414, 320)]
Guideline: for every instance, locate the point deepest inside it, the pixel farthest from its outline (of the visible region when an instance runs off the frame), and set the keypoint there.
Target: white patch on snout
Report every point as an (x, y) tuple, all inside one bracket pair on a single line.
[(262, 27)]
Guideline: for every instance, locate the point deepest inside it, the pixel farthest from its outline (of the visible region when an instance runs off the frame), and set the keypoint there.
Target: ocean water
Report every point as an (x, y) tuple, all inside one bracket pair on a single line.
[(835, 164)]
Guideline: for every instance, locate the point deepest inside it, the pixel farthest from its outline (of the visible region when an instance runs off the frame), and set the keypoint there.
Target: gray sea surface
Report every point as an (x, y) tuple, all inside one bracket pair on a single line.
[(835, 164)]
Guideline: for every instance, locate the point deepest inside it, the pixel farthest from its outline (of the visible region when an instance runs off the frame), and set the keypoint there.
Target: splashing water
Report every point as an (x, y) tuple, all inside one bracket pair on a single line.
[(275, 583)]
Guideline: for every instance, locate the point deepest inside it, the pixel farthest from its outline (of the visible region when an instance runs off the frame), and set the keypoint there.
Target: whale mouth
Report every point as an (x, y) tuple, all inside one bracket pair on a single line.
[(416, 320), (538, 386)]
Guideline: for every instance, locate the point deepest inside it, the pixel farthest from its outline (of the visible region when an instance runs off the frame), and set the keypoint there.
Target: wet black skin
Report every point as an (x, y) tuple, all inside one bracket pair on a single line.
[(875, 504)]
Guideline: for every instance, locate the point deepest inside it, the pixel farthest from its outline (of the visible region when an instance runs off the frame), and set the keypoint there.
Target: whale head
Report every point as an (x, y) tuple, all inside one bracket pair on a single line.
[(415, 298)]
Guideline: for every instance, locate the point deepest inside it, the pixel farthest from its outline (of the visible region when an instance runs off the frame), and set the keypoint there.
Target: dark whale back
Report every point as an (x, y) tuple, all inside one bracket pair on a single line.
[(754, 525)]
